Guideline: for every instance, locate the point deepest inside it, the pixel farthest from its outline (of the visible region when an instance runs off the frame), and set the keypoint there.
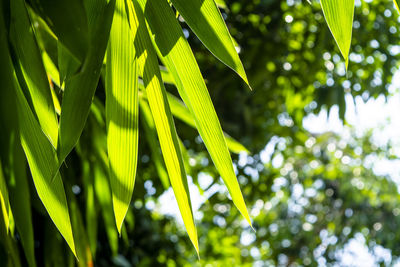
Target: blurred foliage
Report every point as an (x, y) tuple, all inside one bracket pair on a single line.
[(308, 194)]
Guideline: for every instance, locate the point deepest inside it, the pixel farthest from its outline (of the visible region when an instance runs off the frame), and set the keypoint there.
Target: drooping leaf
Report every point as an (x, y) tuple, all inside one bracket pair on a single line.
[(178, 58), (80, 88), (68, 21), (151, 137), (79, 231), (396, 4), (339, 17), (39, 151), (180, 111), (8, 243), (122, 112), (32, 70), (205, 19), (99, 172), (20, 197), (4, 200), (161, 113)]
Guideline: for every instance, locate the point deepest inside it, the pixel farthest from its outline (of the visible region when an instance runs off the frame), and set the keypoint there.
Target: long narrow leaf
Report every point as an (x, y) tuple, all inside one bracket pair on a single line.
[(205, 19), (151, 137), (178, 58), (38, 150), (32, 68), (339, 17), (180, 111), (122, 112), (4, 200), (162, 116), (80, 88)]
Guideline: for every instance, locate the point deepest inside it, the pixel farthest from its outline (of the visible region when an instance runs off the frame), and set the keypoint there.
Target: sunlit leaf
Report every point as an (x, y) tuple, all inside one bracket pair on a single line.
[(396, 4), (39, 151), (33, 74), (151, 137), (339, 17), (180, 111), (178, 58), (80, 88), (205, 19), (162, 116), (4, 200), (122, 112)]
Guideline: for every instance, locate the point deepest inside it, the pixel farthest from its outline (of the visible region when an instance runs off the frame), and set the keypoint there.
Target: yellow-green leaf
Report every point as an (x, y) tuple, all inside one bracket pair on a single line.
[(180, 111), (151, 137), (32, 73), (205, 19), (339, 17), (39, 151), (80, 88), (122, 112), (4, 200), (161, 113), (178, 58), (396, 5)]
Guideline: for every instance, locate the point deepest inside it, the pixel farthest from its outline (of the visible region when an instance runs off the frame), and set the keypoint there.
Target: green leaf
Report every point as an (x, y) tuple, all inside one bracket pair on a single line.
[(339, 17), (79, 231), (122, 112), (39, 151), (205, 19), (32, 69), (396, 5), (4, 200), (80, 88), (42, 162), (151, 137), (162, 116), (178, 58), (68, 21), (180, 111), (20, 197)]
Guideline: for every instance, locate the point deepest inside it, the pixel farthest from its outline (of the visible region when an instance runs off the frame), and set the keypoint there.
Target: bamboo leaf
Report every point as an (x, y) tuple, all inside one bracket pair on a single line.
[(151, 137), (4, 200), (178, 58), (68, 21), (20, 198), (180, 111), (205, 19), (161, 113), (121, 112), (80, 88), (42, 162), (339, 17), (396, 4), (32, 69), (39, 151)]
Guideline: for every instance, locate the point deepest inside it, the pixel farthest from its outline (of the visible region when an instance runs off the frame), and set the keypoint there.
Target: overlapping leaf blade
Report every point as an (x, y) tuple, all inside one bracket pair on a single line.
[(80, 88), (68, 21), (32, 70), (180, 111), (205, 19), (122, 112), (178, 58), (151, 137), (38, 150), (339, 17), (161, 113)]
